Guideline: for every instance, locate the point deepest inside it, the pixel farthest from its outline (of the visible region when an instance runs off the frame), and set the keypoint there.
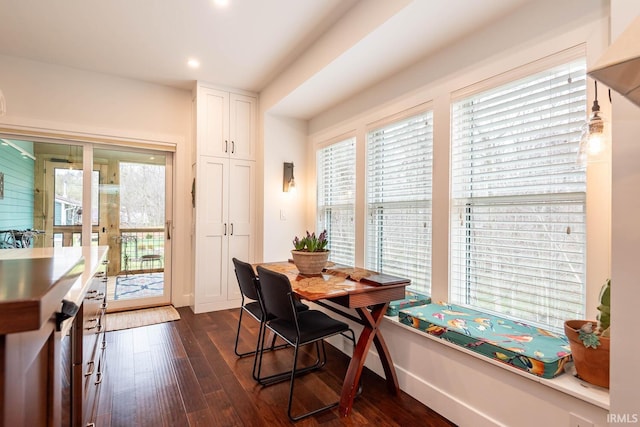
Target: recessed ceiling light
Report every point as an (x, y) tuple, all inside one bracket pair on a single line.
[(221, 3), (193, 63)]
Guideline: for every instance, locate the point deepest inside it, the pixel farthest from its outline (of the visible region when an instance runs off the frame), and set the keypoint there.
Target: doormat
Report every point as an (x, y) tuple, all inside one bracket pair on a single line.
[(139, 286), (143, 317)]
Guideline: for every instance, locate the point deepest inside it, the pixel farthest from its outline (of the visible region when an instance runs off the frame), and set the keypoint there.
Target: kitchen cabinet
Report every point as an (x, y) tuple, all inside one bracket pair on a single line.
[(224, 204), (38, 349)]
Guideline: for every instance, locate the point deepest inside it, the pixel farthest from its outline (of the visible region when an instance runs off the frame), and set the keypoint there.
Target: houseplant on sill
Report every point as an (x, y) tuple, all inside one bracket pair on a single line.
[(590, 344), (310, 254)]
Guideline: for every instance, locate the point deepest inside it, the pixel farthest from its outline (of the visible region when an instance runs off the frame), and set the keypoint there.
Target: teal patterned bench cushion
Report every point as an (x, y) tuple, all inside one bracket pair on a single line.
[(525, 347), (411, 299)]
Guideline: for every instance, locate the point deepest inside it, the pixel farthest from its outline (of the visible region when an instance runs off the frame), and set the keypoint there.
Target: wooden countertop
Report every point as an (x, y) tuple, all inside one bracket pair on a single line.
[(34, 281)]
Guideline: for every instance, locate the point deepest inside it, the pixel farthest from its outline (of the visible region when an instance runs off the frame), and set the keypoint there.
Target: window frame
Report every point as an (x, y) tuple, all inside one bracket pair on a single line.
[(421, 280), (454, 289), (337, 255)]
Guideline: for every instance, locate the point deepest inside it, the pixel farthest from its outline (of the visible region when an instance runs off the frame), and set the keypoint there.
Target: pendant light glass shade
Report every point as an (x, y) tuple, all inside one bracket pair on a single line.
[(594, 140)]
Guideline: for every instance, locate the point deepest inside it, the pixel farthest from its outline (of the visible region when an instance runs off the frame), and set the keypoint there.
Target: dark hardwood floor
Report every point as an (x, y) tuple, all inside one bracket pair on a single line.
[(185, 373)]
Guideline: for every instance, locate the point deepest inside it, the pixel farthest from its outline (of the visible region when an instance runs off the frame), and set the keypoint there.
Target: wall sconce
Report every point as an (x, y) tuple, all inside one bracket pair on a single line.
[(288, 182)]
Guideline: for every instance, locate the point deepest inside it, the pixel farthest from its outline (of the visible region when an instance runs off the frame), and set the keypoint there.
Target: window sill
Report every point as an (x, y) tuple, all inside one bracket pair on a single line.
[(566, 383)]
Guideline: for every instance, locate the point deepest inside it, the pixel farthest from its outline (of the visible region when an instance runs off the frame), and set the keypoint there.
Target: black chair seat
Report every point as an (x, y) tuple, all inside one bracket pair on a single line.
[(314, 325), (254, 309)]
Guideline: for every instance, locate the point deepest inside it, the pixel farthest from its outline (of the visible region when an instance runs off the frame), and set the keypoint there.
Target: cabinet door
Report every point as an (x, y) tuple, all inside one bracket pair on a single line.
[(212, 229), (242, 123), (213, 122), (241, 217)]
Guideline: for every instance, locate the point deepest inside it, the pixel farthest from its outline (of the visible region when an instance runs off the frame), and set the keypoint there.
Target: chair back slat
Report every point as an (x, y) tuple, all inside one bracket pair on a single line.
[(275, 289), (246, 279)]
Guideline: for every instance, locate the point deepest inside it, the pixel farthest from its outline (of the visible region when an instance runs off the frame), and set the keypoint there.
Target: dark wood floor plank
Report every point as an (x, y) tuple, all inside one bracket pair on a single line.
[(185, 373), (190, 391)]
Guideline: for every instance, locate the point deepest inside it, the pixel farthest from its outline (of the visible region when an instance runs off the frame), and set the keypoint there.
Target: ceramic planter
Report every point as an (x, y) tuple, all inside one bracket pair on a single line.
[(309, 263), (592, 364)]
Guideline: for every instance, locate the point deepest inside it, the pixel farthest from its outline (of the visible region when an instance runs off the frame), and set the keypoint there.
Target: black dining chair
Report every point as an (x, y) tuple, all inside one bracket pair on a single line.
[(296, 328), (250, 302)]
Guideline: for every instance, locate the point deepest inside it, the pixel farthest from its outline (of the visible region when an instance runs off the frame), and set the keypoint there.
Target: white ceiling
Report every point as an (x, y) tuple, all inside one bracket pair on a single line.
[(245, 45)]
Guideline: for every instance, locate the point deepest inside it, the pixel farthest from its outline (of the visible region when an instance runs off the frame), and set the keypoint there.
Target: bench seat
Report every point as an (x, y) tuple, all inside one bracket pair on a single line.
[(411, 299), (534, 350)]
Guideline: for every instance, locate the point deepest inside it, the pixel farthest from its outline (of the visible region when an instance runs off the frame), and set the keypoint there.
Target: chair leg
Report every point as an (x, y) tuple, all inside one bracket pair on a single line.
[(235, 348), (294, 373), (283, 376), (259, 349)]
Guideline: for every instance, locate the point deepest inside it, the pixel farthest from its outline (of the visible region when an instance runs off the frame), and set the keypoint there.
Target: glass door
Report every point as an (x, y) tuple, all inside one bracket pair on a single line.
[(46, 191), (134, 217)]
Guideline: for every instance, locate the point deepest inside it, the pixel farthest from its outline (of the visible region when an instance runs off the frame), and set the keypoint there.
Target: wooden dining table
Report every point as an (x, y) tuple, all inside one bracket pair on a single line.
[(346, 287)]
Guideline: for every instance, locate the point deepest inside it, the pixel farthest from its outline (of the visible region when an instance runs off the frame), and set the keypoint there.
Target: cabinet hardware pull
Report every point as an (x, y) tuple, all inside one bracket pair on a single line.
[(104, 306), (99, 327), (225, 228), (226, 146), (98, 378), (104, 345), (231, 229), (92, 291), (233, 147), (90, 371)]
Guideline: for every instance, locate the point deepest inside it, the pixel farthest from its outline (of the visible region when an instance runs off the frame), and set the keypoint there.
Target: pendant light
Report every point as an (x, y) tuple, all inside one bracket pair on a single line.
[(593, 141)]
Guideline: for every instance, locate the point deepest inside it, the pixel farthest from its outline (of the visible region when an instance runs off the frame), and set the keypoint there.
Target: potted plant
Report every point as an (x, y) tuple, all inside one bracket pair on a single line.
[(310, 254), (590, 343)]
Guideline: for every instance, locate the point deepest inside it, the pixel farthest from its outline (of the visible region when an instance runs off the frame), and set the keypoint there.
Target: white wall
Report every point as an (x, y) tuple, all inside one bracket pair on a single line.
[(53, 99), (462, 388), (625, 370), (284, 141)]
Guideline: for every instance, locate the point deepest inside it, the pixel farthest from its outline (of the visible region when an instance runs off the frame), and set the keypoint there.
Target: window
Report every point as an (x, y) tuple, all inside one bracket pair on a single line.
[(67, 203), (398, 229), (336, 199), (518, 198)]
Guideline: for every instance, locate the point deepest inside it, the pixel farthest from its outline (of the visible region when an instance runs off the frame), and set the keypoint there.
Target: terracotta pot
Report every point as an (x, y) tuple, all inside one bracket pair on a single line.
[(309, 263), (592, 364)]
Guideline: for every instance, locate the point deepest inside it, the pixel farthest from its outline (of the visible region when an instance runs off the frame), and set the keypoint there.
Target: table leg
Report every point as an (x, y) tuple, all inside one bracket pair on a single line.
[(371, 320)]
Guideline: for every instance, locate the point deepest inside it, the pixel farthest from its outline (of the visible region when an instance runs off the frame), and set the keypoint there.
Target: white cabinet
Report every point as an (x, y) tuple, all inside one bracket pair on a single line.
[(226, 124), (225, 195)]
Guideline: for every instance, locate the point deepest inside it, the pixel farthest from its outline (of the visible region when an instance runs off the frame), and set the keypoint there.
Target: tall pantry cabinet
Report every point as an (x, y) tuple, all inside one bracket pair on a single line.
[(224, 210)]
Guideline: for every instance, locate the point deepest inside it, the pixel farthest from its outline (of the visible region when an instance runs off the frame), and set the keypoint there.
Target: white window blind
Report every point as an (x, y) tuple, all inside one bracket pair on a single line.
[(518, 216), (336, 199), (398, 229)]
